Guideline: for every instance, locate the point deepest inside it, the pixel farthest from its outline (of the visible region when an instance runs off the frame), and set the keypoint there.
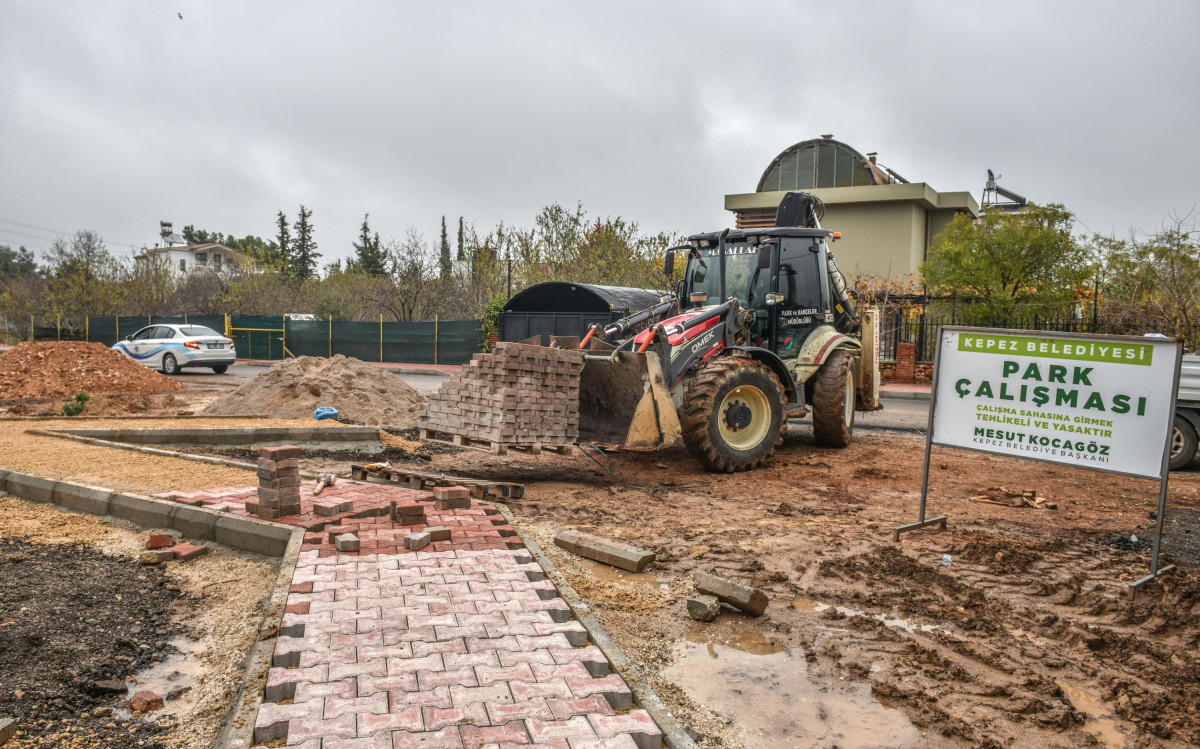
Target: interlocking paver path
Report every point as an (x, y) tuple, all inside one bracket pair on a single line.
[(461, 644)]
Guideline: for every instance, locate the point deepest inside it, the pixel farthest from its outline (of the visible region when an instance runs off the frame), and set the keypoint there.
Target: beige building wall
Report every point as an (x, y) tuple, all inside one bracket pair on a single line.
[(886, 229)]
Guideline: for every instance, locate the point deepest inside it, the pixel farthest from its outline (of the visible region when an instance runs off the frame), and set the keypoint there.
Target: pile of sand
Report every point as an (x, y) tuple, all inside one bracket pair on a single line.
[(293, 388), (60, 369)]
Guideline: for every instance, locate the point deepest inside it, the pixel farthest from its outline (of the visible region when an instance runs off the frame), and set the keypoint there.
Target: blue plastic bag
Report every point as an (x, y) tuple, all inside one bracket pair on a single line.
[(325, 412)]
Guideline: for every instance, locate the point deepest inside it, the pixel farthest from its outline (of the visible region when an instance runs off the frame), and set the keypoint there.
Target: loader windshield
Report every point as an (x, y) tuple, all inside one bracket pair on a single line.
[(741, 281)]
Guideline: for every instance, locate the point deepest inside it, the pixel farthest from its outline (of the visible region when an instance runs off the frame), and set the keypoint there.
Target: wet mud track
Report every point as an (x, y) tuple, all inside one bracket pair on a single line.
[(61, 641), (1026, 637)]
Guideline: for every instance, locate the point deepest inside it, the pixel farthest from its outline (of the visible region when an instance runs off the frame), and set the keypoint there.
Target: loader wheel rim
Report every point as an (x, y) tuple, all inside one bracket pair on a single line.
[(744, 418)]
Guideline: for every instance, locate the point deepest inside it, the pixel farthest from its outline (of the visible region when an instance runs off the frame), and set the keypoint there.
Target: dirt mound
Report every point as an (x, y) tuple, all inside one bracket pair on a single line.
[(293, 388), (60, 369)]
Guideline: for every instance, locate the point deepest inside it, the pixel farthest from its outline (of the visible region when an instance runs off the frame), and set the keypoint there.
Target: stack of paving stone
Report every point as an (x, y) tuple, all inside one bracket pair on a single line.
[(278, 482), (518, 394)]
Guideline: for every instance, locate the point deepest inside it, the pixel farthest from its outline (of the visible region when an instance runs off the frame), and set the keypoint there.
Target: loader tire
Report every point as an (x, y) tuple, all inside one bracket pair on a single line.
[(732, 414), (833, 400)]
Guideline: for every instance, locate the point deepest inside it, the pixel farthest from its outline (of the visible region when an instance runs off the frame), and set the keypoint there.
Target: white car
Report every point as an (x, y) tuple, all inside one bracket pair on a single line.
[(170, 348)]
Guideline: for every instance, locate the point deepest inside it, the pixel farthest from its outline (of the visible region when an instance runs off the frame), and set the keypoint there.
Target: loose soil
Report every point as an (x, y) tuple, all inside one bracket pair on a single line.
[(62, 369), (294, 388), (1026, 637), (127, 623)]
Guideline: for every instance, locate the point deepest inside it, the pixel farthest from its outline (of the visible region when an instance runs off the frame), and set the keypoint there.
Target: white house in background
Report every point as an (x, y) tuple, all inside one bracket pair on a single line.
[(196, 257)]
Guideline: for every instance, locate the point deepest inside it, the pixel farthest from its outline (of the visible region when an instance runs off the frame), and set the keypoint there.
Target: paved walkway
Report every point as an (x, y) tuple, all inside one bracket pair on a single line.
[(461, 644)]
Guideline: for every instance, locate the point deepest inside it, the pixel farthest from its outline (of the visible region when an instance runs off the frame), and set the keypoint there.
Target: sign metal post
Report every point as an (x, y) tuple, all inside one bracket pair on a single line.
[(941, 519), (1086, 401)]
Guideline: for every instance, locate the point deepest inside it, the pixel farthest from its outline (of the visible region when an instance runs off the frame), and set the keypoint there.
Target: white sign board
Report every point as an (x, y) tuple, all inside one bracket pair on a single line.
[(1102, 402)]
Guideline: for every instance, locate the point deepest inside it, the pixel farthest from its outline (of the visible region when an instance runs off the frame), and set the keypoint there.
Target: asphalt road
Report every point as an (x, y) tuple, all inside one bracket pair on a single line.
[(897, 414)]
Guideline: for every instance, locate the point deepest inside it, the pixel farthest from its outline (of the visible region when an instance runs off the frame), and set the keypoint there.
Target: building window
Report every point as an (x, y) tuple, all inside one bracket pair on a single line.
[(182, 264), (817, 165), (201, 258), (217, 260)]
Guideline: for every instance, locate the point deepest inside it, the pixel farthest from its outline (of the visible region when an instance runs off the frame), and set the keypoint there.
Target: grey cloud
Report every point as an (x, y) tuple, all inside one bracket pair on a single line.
[(113, 116)]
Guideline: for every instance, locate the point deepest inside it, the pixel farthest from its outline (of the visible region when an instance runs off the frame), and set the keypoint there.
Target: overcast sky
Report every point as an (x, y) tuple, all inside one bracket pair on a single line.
[(114, 115)]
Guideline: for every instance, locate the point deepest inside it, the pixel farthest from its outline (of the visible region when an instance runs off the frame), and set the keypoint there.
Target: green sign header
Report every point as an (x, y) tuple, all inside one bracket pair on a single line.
[(1140, 354)]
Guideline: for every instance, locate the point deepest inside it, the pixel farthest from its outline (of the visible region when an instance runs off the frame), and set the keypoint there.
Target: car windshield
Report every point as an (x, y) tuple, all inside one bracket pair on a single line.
[(741, 260), (198, 330)]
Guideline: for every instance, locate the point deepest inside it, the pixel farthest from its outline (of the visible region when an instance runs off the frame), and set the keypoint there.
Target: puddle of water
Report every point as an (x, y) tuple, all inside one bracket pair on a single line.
[(811, 604), (772, 702), (175, 674), (610, 574), (748, 641), (1101, 723)]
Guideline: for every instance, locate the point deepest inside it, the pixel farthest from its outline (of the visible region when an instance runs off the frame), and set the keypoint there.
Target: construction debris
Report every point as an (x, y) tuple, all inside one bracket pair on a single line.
[(278, 482), (605, 550), (998, 495), (703, 608), (416, 541), (421, 480), (751, 600), (516, 395), (63, 369), (451, 497), (293, 388)]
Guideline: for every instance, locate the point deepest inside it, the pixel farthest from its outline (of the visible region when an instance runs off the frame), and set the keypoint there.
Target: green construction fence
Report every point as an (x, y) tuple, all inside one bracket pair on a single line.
[(273, 337)]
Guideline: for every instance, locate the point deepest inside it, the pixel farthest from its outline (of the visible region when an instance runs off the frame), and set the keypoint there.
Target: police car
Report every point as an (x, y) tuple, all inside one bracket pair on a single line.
[(170, 348)]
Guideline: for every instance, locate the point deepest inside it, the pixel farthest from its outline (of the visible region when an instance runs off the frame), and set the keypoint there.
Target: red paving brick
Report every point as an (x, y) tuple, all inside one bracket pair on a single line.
[(462, 643)]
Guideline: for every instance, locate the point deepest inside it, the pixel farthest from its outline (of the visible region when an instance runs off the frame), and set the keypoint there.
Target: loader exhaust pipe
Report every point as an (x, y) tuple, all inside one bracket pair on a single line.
[(721, 264)]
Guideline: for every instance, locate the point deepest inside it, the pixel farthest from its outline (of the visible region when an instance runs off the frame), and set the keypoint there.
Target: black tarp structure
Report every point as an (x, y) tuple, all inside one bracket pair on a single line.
[(561, 308)]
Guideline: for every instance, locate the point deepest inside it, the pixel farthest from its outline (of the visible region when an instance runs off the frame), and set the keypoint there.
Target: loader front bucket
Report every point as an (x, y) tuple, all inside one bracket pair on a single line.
[(624, 401)]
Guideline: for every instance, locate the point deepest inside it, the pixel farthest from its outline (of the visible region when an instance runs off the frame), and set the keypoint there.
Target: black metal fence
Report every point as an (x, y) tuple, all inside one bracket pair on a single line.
[(923, 330)]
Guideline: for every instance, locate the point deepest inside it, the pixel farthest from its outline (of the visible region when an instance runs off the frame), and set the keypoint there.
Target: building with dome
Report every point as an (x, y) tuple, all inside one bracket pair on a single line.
[(887, 223)]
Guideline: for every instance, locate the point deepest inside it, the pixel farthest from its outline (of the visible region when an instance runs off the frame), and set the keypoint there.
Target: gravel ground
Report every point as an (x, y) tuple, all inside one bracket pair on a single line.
[(65, 635), (123, 470)]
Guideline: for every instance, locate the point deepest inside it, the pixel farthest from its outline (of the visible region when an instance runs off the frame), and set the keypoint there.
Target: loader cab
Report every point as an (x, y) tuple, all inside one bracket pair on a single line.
[(779, 274)]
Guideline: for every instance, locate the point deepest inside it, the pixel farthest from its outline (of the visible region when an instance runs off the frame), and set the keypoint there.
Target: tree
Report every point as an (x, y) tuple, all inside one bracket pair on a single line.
[(462, 253), (283, 239), (444, 254), (1002, 261), (1152, 284), (18, 263), (409, 297), (369, 255), (84, 279), (302, 261)]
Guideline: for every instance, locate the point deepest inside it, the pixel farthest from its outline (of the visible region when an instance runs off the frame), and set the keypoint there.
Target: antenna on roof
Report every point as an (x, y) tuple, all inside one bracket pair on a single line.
[(992, 191)]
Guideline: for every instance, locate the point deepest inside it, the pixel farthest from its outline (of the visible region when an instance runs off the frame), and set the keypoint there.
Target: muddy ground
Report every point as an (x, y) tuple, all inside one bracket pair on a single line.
[(1011, 628), (71, 655)]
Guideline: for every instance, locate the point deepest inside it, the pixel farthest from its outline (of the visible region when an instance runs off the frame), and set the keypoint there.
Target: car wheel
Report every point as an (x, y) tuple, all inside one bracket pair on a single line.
[(1183, 444), (169, 365), (220, 368)]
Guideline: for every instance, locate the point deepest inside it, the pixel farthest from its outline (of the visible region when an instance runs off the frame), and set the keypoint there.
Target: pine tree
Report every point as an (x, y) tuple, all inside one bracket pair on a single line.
[(462, 252), (447, 268), (284, 240), (302, 262), (368, 251)]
